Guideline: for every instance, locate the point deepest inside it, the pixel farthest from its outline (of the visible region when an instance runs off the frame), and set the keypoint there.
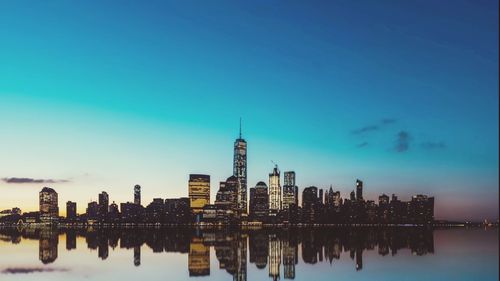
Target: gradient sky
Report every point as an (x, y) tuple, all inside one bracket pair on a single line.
[(102, 96)]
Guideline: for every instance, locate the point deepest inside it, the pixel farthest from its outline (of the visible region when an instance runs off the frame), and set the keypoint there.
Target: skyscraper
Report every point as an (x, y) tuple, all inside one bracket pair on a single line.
[(274, 191), (259, 200), (137, 194), (359, 190), (240, 171), (289, 190), (103, 204), (49, 209), (199, 192), (70, 210)]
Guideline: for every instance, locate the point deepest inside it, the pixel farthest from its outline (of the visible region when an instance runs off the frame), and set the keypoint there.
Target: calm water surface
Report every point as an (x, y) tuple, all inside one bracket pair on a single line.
[(299, 254)]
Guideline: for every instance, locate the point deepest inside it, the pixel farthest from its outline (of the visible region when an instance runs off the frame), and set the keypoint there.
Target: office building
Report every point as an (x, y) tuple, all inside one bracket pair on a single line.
[(274, 191), (240, 171), (137, 194), (199, 192), (259, 201), (71, 210), (289, 191), (49, 209)]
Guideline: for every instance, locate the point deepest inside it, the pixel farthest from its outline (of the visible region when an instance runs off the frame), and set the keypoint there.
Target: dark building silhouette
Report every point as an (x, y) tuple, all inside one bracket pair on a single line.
[(71, 210), (310, 204), (259, 201), (178, 210), (49, 239), (421, 209), (92, 210), (103, 205), (70, 239), (359, 190)]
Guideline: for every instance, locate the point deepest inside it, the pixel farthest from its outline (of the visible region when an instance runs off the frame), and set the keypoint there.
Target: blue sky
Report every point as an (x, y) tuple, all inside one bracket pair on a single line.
[(403, 95)]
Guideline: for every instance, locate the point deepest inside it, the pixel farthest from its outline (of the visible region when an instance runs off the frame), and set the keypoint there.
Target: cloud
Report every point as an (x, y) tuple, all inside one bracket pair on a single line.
[(363, 144), (365, 129), (387, 121), (430, 145), (26, 270), (31, 180), (374, 127), (402, 141)]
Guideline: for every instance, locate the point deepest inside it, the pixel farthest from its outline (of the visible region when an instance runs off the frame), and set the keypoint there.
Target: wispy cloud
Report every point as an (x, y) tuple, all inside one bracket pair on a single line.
[(365, 129), (363, 144), (403, 140), (430, 145), (32, 180), (373, 127), (387, 121), (27, 270)]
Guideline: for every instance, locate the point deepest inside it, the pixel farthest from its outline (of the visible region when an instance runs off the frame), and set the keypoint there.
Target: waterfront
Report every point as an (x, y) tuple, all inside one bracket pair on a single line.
[(266, 254)]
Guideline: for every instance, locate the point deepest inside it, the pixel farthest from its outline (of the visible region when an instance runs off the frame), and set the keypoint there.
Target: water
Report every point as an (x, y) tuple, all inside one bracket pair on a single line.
[(299, 254)]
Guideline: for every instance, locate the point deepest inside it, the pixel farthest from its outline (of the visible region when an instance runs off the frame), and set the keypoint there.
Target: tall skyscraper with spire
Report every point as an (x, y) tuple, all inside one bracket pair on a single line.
[(240, 171)]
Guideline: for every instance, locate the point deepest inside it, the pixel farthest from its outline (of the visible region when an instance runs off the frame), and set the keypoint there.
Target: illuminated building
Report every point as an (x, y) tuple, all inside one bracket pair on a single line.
[(240, 171), (289, 191), (137, 194), (274, 191), (274, 256), (199, 192), (198, 258), (49, 209)]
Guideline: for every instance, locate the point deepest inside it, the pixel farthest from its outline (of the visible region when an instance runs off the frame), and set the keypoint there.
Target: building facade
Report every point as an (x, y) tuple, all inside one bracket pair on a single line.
[(137, 194), (49, 208), (274, 191), (289, 191), (240, 171), (70, 210), (199, 192), (259, 201)]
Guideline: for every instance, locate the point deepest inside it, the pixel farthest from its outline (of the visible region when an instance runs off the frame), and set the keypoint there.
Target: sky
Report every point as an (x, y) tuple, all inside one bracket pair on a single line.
[(102, 95)]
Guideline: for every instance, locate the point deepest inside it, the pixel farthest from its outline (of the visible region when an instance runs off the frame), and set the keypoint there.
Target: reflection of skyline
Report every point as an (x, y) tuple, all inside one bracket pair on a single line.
[(278, 250)]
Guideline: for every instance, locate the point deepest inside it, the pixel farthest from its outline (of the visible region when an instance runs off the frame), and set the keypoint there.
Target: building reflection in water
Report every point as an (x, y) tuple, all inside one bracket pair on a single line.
[(267, 248), (49, 239)]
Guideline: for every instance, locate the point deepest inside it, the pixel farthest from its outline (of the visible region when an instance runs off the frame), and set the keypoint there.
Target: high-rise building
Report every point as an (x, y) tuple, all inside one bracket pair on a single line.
[(227, 195), (259, 200), (359, 190), (103, 204), (240, 171), (274, 191), (70, 210), (137, 194), (199, 192), (421, 209), (92, 210), (310, 204), (289, 190), (49, 209)]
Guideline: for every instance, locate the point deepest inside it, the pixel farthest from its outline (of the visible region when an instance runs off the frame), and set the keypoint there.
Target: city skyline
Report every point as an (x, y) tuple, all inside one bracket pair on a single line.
[(401, 96)]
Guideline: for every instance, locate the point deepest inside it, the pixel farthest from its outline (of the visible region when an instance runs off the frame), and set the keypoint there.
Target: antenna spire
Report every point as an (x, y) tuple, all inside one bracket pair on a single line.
[(240, 127)]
